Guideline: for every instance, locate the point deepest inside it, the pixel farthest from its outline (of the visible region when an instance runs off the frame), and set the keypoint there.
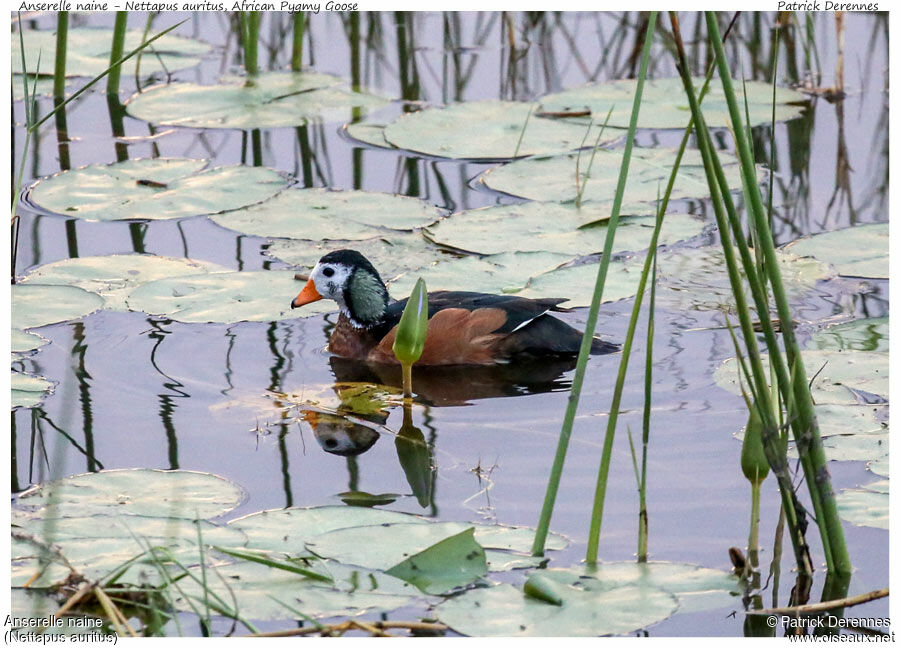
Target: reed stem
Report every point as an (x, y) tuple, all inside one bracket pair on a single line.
[(251, 42), (297, 45), (59, 70), (118, 47)]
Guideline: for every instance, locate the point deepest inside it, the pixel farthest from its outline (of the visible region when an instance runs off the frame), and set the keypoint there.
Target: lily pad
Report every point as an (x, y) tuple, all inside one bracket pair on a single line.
[(88, 49), (552, 179), (114, 276), (453, 562), (28, 390), (154, 189), (370, 133), (854, 447), (860, 251), (665, 105), (576, 283), (880, 467), (264, 593), (317, 214), (870, 334), (867, 506), (553, 227), (697, 279), (271, 100), (257, 296), (139, 491), (44, 86), (34, 305), (22, 342), (488, 130), (846, 377)]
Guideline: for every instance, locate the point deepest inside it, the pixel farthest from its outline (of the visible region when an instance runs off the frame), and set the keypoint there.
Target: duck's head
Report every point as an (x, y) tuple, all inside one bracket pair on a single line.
[(347, 277)]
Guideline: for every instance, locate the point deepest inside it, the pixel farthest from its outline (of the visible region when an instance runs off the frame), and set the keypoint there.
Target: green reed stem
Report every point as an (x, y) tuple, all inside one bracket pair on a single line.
[(297, 46), (59, 69), (643, 516), (251, 42), (805, 426), (587, 175), (118, 46)]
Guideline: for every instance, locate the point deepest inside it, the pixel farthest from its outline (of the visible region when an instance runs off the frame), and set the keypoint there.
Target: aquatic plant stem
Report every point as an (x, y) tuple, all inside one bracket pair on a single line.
[(297, 44), (805, 426), (59, 68), (118, 46), (250, 24)]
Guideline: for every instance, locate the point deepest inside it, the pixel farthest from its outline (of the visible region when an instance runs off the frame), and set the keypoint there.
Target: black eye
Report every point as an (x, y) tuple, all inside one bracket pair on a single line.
[(327, 271)]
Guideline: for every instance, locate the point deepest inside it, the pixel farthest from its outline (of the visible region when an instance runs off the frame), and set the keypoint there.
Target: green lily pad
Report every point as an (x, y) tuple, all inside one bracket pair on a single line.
[(35, 305), (264, 593), (22, 342), (391, 254), (317, 214), (88, 49), (854, 447), (453, 562), (488, 130), (697, 279), (553, 227), (44, 86), (28, 390), (881, 467), (860, 251), (552, 179), (576, 283), (154, 189), (500, 561), (140, 491), (665, 105), (271, 100), (370, 133), (507, 272), (363, 498), (870, 334), (257, 296), (114, 276), (98, 545), (856, 419), (32, 604), (867, 506), (846, 377)]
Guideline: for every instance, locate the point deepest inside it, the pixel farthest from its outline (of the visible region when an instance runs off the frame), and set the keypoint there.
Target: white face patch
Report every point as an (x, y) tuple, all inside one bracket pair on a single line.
[(330, 280)]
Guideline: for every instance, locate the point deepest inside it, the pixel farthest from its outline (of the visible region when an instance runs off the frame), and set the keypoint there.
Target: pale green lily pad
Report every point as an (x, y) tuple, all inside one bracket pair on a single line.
[(881, 467), (114, 276), (139, 491), (845, 377), (317, 214), (500, 561), (391, 254), (856, 419), (97, 545), (871, 334), (259, 588), (385, 545), (257, 296), (504, 611), (288, 530), (507, 272), (576, 283), (28, 604), (554, 227), (697, 279), (866, 506), (271, 100), (664, 103), (370, 133), (23, 342), (154, 189), (32, 558), (488, 130), (88, 49), (860, 251), (453, 562), (35, 305), (854, 447), (44, 87), (552, 179), (28, 390)]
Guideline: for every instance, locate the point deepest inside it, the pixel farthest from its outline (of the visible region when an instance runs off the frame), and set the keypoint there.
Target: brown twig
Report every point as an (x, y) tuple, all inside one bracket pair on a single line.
[(824, 606)]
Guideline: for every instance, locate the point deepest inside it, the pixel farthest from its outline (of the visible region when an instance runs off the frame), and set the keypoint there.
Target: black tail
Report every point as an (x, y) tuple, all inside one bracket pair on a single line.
[(548, 335)]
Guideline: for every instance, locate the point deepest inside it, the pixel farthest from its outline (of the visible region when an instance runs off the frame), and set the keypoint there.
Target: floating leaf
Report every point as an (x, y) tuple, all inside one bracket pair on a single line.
[(44, 86), (371, 133), (88, 49), (880, 467), (34, 305), (257, 296), (488, 130), (665, 105), (317, 214), (576, 283), (853, 447), (362, 498), (28, 390), (553, 227), (859, 251), (870, 334), (867, 506), (270, 100), (154, 189), (22, 342), (453, 562), (114, 276), (139, 491), (552, 179)]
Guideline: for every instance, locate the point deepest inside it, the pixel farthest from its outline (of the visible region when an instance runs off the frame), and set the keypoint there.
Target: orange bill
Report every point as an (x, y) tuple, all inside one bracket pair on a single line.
[(308, 295)]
